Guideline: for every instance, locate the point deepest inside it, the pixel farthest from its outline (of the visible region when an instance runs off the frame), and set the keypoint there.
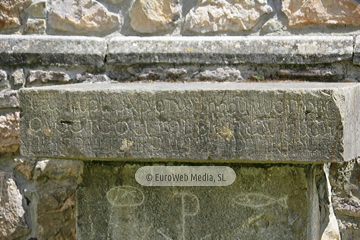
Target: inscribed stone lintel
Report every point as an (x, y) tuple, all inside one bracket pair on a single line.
[(261, 122)]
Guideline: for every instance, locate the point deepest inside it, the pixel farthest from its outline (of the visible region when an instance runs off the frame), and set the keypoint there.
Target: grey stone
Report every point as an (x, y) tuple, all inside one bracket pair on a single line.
[(18, 77), (263, 203), (48, 76), (12, 223), (56, 210), (37, 9), (52, 50), (276, 122), (224, 15), (220, 50), (220, 75), (85, 17), (9, 99), (3, 79), (9, 132), (35, 26), (88, 77), (357, 51)]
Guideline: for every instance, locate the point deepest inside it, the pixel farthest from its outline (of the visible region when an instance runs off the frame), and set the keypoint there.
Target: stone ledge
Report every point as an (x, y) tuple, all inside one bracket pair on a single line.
[(260, 122), (232, 50), (52, 50)]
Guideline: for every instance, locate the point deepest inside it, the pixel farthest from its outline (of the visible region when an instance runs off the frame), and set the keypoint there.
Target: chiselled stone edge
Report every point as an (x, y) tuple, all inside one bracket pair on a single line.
[(94, 51), (231, 50), (52, 50)]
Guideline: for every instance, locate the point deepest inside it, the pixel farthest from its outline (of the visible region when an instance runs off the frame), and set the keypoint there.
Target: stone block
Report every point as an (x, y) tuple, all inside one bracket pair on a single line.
[(86, 17), (12, 222), (303, 12), (263, 203), (357, 51), (9, 132), (52, 50), (263, 122), (228, 50)]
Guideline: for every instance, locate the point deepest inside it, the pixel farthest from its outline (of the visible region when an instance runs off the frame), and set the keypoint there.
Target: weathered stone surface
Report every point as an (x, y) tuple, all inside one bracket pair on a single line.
[(18, 77), (150, 16), (225, 50), (58, 169), (86, 17), (37, 9), (273, 25), (357, 51), (262, 203), (308, 122), (9, 132), (56, 215), (3, 79), (12, 223), (25, 166), (48, 76), (57, 181), (52, 50), (9, 99), (88, 77), (10, 11), (220, 74), (35, 26), (225, 15), (115, 1), (303, 12), (345, 181)]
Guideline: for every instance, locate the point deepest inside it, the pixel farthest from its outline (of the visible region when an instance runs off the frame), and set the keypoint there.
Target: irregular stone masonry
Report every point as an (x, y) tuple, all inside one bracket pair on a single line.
[(284, 122)]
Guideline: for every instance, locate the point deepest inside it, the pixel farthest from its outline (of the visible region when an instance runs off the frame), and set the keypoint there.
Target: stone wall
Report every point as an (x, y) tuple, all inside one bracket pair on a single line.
[(57, 42)]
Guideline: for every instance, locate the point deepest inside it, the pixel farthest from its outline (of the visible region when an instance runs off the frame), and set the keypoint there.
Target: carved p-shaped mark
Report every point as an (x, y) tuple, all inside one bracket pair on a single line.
[(189, 207)]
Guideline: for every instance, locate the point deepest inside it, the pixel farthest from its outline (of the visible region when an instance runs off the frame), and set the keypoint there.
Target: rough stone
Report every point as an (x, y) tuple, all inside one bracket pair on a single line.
[(25, 166), (151, 16), (35, 26), (303, 12), (9, 132), (10, 11), (357, 51), (12, 223), (48, 76), (3, 79), (227, 50), (86, 17), (220, 75), (88, 77), (56, 215), (115, 1), (52, 50), (18, 77), (37, 9), (273, 25), (276, 122), (345, 182), (262, 203), (9, 99), (58, 169), (225, 15)]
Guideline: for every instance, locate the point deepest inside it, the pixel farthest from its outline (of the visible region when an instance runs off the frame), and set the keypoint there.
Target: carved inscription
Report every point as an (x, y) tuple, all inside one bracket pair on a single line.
[(258, 125)]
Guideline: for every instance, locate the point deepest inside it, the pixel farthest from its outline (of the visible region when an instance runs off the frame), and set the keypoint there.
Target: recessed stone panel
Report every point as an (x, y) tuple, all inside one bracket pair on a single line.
[(264, 202)]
